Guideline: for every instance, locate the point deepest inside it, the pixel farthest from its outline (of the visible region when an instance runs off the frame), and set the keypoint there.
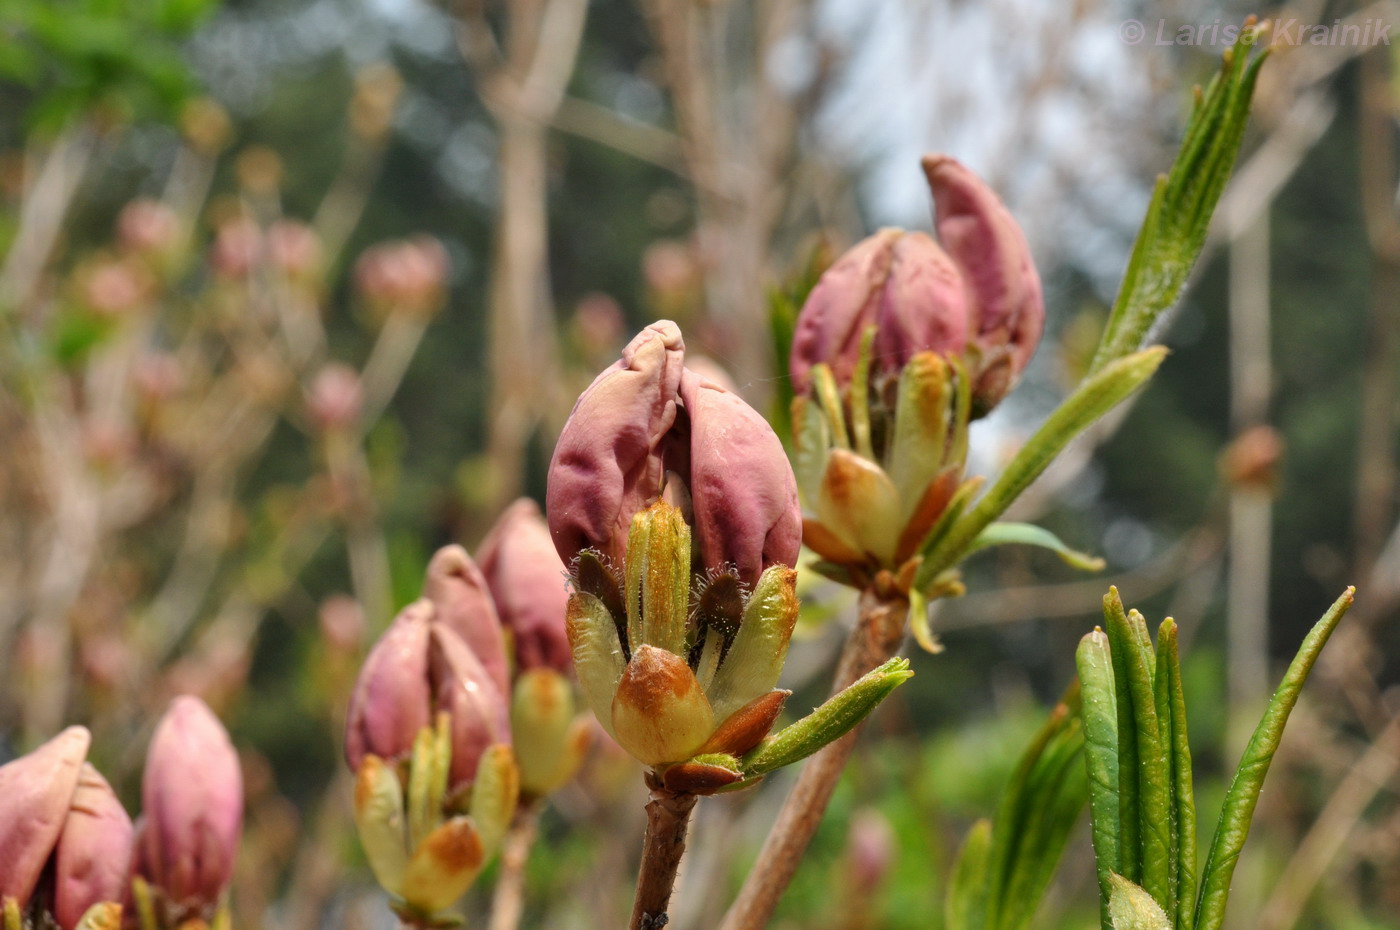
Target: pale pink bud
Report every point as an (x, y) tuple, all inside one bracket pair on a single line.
[(527, 583), (192, 801), (646, 421), (336, 397), (148, 226), (294, 247), (238, 248), (35, 793), (393, 696), (114, 288), (342, 623), (408, 275), (462, 601), (93, 862)]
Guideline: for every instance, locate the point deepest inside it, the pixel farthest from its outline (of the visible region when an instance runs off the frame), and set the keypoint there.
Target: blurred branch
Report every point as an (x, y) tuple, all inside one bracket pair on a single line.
[(642, 141)]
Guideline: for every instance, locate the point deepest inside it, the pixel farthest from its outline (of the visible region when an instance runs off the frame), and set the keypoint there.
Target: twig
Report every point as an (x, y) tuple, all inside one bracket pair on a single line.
[(668, 817), (508, 899), (877, 635)]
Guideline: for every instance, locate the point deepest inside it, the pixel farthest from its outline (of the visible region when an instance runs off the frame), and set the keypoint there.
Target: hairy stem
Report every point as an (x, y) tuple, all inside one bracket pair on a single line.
[(508, 900), (668, 818), (877, 635)]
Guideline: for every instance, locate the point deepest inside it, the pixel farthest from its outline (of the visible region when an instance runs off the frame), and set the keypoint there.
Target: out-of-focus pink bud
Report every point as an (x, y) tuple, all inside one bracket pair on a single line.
[(35, 793), (465, 690), (648, 422), (294, 247), (238, 247), (192, 801), (462, 601), (393, 696), (598, 323), (527, 582), (410, 275), (870, 850), (669, 267), (92, 864), (114, 288), (148, 227), (336, 397), (342, 623), (986, 243), (158, 376)]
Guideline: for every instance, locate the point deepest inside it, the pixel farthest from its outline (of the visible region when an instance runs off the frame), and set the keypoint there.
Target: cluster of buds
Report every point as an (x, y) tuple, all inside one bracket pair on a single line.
[(428, 737), (675, 507), (408, 276), (901, 343), (70, 856)]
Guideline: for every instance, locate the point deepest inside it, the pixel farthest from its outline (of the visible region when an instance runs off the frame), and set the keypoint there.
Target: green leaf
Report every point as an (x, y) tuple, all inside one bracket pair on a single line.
[(1183, 787), (1178, 218), (829, 722), (1097, 395), (1238, 809), (1132, 908), (1129, 804), (965, 908), (1099, 710), (1028, 534)]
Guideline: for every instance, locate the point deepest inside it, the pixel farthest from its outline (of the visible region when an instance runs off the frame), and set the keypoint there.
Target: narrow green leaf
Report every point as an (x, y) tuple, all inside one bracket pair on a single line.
[(1162, 708), (965, 908), (1183, 787), (860, 396), (1238, 810), (829, 396), (1097, 395), (1178, 218), (1100, 715), (1028, 534), (1120, 645)]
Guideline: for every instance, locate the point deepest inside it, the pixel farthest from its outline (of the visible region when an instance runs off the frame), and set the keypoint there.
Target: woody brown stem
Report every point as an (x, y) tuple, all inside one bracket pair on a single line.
[(668, 818), (507, 902), (875, 639)]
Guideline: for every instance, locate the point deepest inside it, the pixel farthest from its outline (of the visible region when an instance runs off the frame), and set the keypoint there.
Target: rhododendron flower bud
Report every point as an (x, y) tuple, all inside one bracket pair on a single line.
[(526, 579), (192, 801), (294, 248), (148, 226), (462, 601), (901, 283), (464, 689), (986, 243), (410, 275), (393, 697), (92, 864), (35, 793), (336, 397), (646, 425)]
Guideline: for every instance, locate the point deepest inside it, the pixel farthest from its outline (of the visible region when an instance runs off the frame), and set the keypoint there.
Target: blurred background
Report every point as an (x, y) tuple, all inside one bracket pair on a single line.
[(295, 291)]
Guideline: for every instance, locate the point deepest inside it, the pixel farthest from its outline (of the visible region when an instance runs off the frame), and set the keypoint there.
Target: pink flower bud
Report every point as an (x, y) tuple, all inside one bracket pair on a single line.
[(527, 582), (35, 793), (409, 275), (648, 422), (465, 690), (336, 397), (393, 697), (93, 862), (238, 248), (986, 243), (294, 247), (462, 601), (192, 800), (148, 226)]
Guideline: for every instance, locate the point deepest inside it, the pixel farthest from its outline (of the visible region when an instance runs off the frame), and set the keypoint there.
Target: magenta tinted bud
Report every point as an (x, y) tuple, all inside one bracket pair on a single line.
[(466, 691), (393, 698), (462, 601), (527, 583), (35, 793), (192, 800), (93, 862), (646, 423), (987, 244)]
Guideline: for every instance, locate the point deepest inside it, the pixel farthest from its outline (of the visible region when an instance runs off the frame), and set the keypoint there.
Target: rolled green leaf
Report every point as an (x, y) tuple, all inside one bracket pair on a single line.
[(1100, 714), (1243, 794), (965, 908), (1028, 534), (1096, 396), (1183, 786), (830, 721), (1121, 644)]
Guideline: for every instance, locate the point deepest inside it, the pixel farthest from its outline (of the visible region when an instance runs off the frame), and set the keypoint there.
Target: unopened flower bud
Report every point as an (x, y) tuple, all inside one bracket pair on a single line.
[(647, 422), (462, 601), (336, 397), (466, 691), (549, 740), (409, 276), (36, 791), (92, 863), (192, 800), (148, 227), (526, 579), (393, 697), (294, 248), (237, 249)]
